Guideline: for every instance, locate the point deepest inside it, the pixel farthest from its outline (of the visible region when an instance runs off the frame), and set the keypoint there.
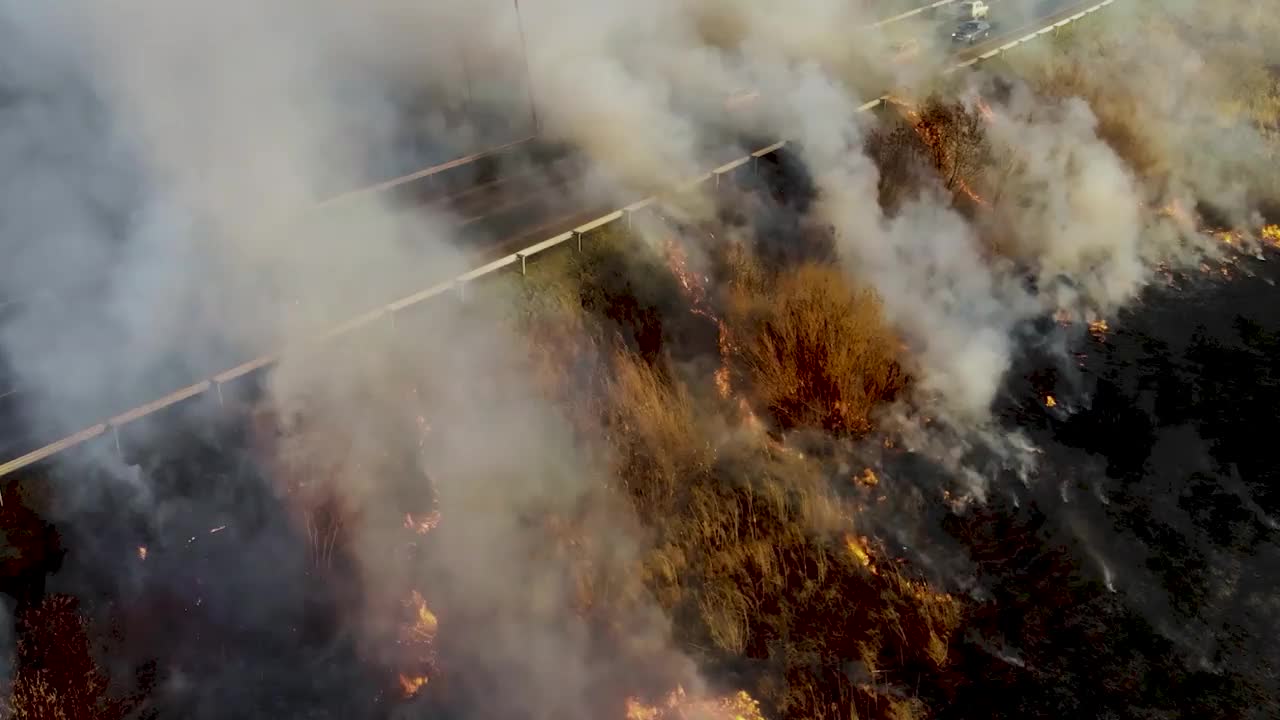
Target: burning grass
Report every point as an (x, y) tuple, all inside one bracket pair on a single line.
[(749, 550), (56, 674)]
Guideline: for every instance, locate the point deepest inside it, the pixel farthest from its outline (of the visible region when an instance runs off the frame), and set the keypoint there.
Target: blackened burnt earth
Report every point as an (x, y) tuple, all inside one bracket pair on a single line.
[(1135, 575), (224, 614)]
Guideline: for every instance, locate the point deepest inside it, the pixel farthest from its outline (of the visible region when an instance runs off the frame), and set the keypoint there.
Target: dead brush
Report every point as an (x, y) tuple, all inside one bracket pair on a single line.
[(654, 430), (56, 676), (817, 351)]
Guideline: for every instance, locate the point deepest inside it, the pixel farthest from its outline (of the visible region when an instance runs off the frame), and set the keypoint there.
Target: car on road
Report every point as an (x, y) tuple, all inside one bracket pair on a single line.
[(971, 31)]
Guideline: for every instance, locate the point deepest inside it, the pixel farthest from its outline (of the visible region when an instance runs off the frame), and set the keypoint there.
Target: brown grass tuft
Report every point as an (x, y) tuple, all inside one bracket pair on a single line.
[(817, 351)]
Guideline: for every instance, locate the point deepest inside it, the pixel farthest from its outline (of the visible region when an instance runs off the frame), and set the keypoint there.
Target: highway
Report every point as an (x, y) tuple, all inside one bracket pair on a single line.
[(502, 201)]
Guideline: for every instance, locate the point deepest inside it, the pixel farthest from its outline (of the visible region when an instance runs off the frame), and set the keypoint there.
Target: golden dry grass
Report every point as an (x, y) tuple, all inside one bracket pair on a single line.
[(747, 552), (817, 351)]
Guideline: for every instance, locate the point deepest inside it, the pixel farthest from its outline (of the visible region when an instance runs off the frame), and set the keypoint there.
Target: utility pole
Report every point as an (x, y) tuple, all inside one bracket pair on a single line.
[(528, 75)]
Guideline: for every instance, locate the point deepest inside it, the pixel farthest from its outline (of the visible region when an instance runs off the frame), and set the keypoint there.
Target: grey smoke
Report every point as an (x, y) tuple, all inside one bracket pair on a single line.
[(167, 148)]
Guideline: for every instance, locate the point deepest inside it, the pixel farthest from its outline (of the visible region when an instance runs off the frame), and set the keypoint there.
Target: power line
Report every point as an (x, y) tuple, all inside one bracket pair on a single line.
[(528, 76)]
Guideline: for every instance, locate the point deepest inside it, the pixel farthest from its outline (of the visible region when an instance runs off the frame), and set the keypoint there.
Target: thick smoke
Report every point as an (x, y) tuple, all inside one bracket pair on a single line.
[(182, 141), (168, 148), (1078, 213)]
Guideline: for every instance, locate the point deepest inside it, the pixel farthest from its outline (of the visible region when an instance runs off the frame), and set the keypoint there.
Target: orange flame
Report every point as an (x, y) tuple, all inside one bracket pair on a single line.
[(142, 552), (422, 628), (677, 706), (860, 548), (1049, 401), (695, 287), (1098, 328), (417, 635), (410, 685), (931, 136), (985, 110), (422, 524), (1271, 234), (1174, 210)]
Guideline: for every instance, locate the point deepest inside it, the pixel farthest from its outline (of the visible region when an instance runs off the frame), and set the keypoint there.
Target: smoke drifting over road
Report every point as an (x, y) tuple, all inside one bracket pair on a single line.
[(162, 151)]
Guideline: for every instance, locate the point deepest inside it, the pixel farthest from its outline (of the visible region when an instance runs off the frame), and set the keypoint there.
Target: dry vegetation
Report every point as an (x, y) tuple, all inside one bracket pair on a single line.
[(755, 550), (817, 352), (698, 379), (56, 676), (1238, 74)]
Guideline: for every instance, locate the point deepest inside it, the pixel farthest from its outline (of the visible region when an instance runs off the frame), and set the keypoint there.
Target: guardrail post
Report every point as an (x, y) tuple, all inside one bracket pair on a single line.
[(524, 268), (577, 236)]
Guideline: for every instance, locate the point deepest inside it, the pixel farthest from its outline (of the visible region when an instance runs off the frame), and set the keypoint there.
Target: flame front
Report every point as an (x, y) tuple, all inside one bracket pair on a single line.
[(932, 137), (422, 523), (860, 548), (678, 706), (410, 685), (1271, 234), (696, 290), (417, 637)]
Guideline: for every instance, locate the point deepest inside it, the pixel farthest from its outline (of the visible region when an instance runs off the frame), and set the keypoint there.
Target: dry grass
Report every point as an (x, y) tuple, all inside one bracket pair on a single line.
[(56, 676), (747, 552), (653, 426), (817, 351), (1237, 78)]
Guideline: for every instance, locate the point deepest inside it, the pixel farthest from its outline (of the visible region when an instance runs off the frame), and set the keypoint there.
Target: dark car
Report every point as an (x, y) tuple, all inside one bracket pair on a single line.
[(971, 31)]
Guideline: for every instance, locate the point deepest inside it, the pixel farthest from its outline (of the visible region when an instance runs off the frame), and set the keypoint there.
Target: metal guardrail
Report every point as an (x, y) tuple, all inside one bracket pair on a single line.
[(1028, 37), (910, 13), (217, 385)]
